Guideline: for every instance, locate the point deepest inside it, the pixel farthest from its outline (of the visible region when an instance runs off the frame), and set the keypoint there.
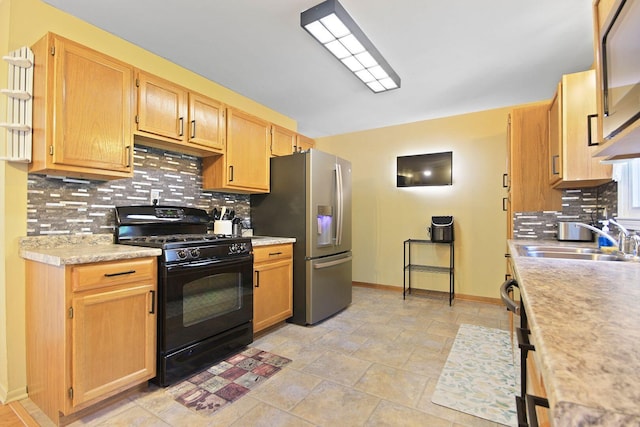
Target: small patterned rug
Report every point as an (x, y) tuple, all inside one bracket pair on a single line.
[(479, 377), (227, 381)]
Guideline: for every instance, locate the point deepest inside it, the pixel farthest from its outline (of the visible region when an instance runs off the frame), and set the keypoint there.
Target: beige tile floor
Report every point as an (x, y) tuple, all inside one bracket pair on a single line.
[(374, 364)]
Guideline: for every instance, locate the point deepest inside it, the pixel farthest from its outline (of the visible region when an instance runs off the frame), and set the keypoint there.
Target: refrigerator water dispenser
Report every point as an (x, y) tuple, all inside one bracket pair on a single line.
[(325, 225)]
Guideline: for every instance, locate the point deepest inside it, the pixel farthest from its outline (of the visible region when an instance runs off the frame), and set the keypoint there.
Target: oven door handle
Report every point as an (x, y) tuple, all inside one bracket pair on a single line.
[(506, 287), (205, 263)]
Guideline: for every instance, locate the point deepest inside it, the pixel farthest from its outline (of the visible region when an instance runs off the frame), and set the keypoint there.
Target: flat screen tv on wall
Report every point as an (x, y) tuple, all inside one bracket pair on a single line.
[(425, 170)]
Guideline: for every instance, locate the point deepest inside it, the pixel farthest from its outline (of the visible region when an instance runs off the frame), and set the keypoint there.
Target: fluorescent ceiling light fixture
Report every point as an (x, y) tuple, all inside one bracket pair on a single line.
[(331, 25)]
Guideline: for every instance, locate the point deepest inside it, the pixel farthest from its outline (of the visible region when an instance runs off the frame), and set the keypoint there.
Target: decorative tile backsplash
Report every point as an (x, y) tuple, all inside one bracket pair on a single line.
[(578, 205), (58, 205)]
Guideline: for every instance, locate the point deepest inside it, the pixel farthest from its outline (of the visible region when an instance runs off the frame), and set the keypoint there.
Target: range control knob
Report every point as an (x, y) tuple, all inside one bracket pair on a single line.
[(182, 253), (194, 252), (237, 248)]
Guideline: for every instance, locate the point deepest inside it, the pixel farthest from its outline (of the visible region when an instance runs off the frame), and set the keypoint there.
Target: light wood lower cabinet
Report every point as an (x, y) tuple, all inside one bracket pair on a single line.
[(535, 387), (272, 285), (91, 332)]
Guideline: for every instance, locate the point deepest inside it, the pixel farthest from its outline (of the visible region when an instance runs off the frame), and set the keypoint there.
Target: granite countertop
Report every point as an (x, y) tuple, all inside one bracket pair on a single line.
[(82, 249), (583, 317), (268, 240)]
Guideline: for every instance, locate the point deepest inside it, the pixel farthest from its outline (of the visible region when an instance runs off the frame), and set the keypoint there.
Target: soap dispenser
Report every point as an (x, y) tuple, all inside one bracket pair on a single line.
[(603, 241)]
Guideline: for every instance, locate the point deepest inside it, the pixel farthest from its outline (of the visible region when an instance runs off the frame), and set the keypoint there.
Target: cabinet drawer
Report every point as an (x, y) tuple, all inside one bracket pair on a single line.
[(91, 276), (272, 252)]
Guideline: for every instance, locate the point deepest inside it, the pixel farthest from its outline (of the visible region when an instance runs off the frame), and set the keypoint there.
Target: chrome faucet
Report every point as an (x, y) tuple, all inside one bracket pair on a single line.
[(628, 243)]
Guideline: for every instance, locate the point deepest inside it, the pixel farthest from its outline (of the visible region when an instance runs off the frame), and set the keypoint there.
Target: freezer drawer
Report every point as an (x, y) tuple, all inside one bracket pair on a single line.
[(328, 286)]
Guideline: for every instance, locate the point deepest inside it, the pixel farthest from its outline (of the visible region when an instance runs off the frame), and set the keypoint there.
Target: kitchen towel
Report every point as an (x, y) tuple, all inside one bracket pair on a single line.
[(479, 377), (227, 381)]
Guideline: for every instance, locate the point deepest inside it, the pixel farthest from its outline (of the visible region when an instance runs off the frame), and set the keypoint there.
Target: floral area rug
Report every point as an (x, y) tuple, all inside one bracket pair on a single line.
[(227, 381), (479, 377)]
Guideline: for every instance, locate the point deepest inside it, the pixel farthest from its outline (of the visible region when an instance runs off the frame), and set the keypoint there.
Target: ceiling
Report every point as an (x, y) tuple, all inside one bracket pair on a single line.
[(454, 56)]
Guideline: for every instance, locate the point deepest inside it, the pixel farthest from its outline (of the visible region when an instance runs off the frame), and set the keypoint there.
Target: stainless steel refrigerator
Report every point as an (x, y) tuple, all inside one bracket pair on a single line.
[(310, 200)]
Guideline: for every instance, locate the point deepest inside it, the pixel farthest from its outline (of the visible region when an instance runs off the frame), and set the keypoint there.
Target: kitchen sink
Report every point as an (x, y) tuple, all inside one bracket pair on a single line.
[(576, 255), (568, 252), (562, 249)]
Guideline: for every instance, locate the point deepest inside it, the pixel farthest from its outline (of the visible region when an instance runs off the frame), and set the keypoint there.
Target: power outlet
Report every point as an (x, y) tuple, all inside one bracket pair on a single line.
[(154, 197)]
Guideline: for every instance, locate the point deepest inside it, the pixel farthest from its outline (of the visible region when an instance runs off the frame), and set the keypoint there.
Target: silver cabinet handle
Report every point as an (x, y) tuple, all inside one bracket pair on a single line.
[(181, 121)]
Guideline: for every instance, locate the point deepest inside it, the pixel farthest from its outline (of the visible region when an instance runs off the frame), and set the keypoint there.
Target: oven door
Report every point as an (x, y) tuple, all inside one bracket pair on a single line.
[(202, 299)]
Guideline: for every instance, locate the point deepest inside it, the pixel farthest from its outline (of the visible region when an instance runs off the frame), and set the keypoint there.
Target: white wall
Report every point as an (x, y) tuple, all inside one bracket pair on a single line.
[(384, 216)]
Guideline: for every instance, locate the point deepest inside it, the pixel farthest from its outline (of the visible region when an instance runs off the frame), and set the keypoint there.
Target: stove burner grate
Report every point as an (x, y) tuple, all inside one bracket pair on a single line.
[(178, 238)]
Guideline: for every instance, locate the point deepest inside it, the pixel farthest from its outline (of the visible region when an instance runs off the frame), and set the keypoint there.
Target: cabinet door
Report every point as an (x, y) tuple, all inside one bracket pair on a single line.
[(162, 107), (530, 189), (247, 156), (272, 293), (507, 200), (92, 96), (555, 137), (579, 167), (206, 122), (304, 143), (282, 141), (112, 340)]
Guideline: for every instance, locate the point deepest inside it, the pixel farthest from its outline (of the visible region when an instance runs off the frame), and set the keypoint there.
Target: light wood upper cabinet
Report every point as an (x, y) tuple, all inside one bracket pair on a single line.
[(171, 117), (555, 137), (272, 285), (162, 107), (206, 122), (245, 166), (304, 143), (283, 141), (91, 332), (572, 119), (528, 150), (82, 111)]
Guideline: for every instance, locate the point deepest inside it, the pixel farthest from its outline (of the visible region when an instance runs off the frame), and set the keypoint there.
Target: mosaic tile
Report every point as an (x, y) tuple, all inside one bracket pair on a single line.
[(580, 205), (66, 206)]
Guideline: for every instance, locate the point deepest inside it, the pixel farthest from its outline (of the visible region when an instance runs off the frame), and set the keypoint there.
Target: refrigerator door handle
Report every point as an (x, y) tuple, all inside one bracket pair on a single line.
[(332, 263), (339, 202)]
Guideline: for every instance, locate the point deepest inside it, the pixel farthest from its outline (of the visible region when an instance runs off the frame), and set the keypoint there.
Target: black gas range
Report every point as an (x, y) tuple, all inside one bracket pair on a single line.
[(205, 286)]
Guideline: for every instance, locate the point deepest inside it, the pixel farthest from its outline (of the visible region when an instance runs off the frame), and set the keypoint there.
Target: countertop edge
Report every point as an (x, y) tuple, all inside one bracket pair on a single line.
[(268, 240), (85, 254), (71, 250)]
